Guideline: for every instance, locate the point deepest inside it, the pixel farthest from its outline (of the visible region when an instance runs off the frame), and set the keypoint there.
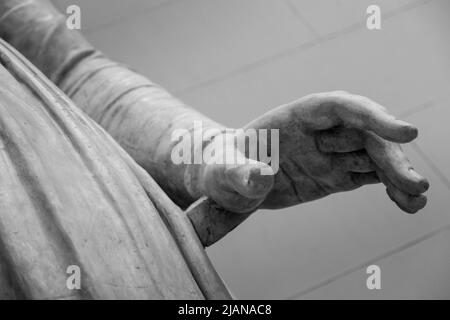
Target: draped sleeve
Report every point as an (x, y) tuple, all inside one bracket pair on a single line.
[(71, 196)]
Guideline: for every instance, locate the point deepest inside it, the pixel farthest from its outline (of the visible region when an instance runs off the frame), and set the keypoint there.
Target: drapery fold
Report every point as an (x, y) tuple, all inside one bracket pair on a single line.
[(71, 196)]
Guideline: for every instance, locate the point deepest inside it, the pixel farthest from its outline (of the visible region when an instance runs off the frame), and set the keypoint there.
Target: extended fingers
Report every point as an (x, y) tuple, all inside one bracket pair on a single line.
[(362, 113), (407, 202), (403, 185), (390, 158)]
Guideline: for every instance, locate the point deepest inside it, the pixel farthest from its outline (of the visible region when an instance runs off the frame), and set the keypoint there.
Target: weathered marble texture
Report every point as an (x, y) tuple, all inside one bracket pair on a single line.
[(329, 142), (139, 114), (70, 195)]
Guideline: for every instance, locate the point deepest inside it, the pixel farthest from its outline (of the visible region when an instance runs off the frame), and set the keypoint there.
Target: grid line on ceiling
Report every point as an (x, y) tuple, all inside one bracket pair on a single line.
[(296, 12), (289, 52), (368, 262)]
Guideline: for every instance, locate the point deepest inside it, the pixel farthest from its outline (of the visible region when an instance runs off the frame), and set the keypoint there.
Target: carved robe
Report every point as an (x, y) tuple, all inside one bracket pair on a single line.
[(69, 194)]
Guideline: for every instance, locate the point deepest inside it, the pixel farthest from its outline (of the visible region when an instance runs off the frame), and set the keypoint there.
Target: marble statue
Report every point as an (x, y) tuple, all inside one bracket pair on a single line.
[(87, 177)]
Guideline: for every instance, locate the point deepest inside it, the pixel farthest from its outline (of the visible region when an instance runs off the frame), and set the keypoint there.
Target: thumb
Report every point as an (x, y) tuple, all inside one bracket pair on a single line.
[(252, 180)]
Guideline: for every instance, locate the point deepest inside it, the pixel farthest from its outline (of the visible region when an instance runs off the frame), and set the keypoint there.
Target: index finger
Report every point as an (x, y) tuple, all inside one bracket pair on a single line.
[(363, 113)]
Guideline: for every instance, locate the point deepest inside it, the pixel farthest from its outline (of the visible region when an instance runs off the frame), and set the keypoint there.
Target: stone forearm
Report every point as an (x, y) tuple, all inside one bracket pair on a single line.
[(139, 114)]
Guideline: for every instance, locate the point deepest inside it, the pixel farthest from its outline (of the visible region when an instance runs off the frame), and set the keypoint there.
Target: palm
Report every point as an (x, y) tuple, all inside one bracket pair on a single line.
[(305, 173)]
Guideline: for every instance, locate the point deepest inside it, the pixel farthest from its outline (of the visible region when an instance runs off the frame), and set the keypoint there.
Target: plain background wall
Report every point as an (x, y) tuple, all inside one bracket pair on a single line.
[(236, 59)]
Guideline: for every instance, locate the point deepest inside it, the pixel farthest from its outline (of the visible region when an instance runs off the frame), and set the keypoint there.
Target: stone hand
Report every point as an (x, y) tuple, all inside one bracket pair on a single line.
[(328, 143)]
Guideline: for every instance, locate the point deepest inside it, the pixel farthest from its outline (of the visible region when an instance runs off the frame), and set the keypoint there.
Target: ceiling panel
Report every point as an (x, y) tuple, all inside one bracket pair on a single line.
[(196, 40), (326, 16)]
